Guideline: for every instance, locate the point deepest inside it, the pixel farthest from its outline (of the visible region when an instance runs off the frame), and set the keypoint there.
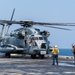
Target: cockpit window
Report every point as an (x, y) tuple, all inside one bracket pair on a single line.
[(40, 38), (37, 38)]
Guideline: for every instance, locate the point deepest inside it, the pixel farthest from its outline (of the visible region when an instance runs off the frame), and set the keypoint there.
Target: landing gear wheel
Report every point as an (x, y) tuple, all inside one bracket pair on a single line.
[(33, 56), (42, 56), (7, 55)]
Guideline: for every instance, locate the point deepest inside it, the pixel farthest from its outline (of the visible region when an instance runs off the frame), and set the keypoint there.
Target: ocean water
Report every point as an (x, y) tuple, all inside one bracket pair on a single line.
[(65, 52)]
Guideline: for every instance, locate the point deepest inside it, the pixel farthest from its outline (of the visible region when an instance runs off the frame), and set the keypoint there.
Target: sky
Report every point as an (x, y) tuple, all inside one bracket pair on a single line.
[(51, 11)]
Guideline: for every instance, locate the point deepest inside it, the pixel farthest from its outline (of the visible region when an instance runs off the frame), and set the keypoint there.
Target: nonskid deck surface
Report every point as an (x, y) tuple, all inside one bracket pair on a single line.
[(27, 66)]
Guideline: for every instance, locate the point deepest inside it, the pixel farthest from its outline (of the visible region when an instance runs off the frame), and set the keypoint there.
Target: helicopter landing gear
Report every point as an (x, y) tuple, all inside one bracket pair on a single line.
[(41, 56), (7, 55), (33, 56)]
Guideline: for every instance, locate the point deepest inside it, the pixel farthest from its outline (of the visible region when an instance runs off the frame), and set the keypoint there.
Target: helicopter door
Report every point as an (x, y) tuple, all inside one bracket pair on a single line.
[(25, 42)]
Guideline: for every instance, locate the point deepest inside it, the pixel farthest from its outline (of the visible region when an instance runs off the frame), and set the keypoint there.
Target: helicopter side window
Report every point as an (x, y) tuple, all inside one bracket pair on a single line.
[(37, 38), (40, 38)]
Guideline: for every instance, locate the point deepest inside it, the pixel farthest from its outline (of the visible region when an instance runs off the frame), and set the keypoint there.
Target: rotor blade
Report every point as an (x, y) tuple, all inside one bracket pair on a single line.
[(1, 24), (10, 20), (4, 22), (12, 14), (58, 24), (56, 27), (36, 23), (42, 23)]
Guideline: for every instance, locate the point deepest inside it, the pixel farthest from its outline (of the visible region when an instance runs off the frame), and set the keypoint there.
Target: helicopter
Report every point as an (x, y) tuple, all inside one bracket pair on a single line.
[(27, 40)]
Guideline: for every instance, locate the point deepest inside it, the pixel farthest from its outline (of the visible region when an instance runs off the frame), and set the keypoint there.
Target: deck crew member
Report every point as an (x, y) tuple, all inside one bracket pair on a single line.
[(55, 52)]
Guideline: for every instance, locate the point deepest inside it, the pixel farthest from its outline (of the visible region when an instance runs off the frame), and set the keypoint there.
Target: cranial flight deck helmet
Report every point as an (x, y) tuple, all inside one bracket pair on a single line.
[(55, 46)]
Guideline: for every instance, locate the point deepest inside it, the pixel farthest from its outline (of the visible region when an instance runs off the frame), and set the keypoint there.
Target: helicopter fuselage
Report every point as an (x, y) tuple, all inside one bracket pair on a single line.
[(27, 41)]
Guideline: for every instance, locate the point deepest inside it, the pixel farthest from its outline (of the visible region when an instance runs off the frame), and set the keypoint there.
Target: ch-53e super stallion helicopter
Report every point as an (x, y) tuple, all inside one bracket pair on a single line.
[(26, 40)]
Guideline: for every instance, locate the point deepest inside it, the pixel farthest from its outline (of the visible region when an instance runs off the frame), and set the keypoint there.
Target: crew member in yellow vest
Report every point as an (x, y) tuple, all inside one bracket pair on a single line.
[(55, 52)]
